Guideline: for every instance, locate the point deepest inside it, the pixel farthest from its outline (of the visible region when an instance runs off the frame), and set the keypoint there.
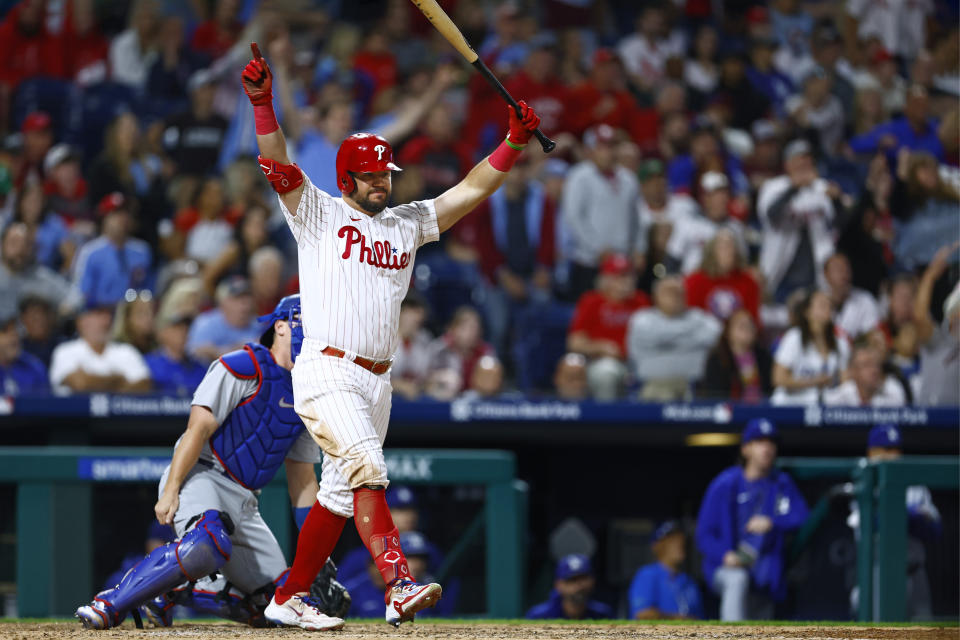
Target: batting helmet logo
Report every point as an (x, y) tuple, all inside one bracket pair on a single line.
[(360, 153)]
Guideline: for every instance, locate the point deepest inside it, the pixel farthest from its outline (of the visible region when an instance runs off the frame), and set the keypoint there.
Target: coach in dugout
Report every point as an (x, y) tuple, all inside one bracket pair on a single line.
[(745, 515), (570, 599)]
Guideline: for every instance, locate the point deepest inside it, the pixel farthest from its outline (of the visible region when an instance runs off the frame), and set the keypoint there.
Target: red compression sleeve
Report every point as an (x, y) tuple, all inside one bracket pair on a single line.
[(265, 119), (505, 155), (316, 541), (375, 526)]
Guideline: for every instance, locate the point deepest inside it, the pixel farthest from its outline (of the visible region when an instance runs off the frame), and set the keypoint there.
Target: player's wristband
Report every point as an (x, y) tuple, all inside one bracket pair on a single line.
[(505, 155), (265, 119), (300, 515)]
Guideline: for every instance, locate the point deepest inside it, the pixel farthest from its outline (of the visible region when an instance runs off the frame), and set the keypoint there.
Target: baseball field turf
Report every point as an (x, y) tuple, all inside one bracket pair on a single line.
[(11, 629)]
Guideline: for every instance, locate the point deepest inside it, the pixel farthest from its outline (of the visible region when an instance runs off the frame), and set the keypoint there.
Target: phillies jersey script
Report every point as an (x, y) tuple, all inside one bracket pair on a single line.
[(355, 268)]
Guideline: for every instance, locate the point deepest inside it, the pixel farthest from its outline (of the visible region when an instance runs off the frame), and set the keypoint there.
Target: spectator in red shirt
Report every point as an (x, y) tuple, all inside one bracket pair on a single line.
[(37, 130), (440, 153), (26, 48), (603, 98), (375, 64), (721, 285), (215, 36), (87, 62), (540, 85), (599, 326)]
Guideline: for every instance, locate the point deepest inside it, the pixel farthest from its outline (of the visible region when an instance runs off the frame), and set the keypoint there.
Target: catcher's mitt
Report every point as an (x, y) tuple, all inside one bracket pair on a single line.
[(334, 596)]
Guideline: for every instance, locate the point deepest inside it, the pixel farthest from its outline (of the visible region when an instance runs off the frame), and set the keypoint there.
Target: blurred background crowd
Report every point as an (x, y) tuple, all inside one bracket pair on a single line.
[(750, 201)]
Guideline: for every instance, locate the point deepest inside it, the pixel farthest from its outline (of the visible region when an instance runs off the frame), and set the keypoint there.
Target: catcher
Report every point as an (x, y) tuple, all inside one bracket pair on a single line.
[(226, 562)]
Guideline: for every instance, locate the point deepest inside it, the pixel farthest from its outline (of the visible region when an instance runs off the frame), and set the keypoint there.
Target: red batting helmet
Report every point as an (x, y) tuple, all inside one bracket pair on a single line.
[(360, 153)]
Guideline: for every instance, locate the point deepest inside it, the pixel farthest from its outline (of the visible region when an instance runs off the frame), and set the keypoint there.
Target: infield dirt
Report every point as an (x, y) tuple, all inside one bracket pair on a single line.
[(480, 630)]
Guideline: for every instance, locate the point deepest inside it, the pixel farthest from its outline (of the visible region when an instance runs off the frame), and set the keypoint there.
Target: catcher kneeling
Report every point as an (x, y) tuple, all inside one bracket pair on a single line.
[(226, 562)]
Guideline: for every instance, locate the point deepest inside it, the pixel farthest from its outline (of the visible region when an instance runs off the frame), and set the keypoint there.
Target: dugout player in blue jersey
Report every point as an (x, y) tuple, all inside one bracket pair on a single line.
[(570, 599), (660, 591), (746, 513), (242, 427)]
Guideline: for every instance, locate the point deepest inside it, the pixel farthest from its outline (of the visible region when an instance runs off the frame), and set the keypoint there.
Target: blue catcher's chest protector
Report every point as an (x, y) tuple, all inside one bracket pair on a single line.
[(254, 439)]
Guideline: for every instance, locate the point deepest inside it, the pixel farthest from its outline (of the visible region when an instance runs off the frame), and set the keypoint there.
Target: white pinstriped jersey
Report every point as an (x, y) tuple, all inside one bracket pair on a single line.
[(355, 268)]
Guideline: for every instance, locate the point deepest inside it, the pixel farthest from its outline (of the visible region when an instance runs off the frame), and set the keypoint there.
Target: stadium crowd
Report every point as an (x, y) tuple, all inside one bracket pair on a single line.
[(749, 201)]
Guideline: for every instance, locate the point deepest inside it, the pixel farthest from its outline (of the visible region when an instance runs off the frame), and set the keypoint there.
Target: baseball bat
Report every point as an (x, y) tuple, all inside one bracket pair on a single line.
[(442, 22)]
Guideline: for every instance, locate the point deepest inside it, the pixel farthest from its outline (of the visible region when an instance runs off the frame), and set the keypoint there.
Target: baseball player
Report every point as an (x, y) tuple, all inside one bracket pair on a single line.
[(356, 258), (924, 525), (242, 427)]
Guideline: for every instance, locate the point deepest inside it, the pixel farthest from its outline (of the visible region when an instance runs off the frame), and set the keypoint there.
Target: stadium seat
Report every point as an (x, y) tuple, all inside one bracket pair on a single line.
[(540, 341), (56, 97), (447, 285), (99, 105)]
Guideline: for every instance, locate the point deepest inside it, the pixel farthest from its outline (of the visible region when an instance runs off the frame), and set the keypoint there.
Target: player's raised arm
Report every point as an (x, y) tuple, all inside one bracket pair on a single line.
[(285, 178), (486, 177)]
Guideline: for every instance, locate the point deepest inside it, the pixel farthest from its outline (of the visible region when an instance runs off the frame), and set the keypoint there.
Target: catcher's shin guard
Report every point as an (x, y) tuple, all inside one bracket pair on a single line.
[(225, 602), (200, 552)]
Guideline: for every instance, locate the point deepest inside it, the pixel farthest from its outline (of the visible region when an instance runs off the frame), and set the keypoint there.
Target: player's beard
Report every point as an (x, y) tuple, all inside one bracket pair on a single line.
[(373, 207)]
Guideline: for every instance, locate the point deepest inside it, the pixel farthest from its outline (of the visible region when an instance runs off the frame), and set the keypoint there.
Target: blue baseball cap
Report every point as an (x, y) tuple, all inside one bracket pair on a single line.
[(757, 429), (664, 529), (415, 543), (575, 564), (884, 435), (401, 497)]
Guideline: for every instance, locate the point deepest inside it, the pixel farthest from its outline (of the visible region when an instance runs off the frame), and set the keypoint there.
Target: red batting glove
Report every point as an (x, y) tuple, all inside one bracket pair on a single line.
[(257, 79), (522, 126)]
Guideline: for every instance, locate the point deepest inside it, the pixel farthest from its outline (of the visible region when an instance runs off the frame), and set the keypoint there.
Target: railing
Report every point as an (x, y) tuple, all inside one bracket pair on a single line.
[(880, 490), (100, 405)]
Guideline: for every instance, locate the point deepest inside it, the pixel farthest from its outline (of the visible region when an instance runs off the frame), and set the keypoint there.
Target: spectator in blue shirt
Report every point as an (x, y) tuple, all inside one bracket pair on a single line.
[(705, 147), (39, 322), (570, 599), (173, 371), (230, 326), (744, 518), (660, 591), (20, 373), (914, 130), (317, 150), (775, 85), (112, 263)]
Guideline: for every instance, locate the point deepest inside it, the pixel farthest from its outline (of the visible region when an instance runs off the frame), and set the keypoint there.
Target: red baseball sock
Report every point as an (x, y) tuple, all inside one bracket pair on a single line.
[(375, 526), (316, 541)]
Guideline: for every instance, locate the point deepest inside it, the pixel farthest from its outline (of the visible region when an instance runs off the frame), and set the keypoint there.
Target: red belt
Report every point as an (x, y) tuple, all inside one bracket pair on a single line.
[(375, 366)]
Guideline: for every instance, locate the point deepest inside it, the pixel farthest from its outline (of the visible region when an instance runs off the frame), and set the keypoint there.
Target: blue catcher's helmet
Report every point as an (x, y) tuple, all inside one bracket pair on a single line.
[(287, 309)]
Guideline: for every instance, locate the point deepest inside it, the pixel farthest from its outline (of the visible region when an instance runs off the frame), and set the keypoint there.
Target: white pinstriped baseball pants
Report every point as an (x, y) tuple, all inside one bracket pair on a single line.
[(347, 410)]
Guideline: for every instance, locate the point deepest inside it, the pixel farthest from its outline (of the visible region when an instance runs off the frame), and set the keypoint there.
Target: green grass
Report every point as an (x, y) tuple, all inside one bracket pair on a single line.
[(523, 622)]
